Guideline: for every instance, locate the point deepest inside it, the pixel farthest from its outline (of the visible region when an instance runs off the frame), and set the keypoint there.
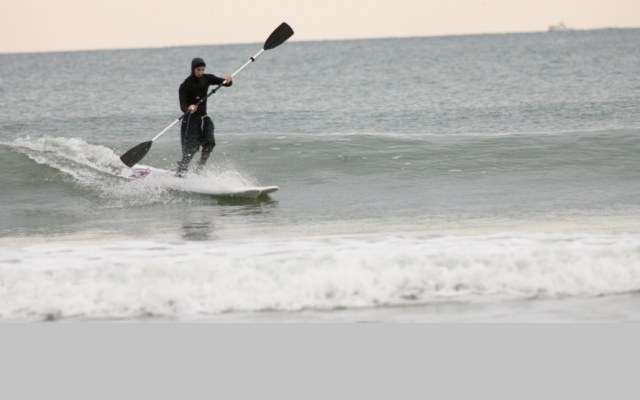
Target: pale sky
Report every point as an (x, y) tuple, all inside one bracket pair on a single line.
[(47, 25)]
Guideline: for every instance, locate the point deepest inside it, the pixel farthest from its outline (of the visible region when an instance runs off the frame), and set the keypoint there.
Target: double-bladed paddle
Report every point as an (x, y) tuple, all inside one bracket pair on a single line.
[(277, 37)]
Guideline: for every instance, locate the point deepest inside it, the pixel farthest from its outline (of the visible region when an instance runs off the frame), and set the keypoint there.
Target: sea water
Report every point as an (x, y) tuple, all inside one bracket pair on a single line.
[(465, 178)]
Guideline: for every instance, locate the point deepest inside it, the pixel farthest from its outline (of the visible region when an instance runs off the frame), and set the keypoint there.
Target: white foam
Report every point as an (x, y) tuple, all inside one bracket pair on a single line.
[(191, 280), (97, 157), (97, 167), (210, 180)]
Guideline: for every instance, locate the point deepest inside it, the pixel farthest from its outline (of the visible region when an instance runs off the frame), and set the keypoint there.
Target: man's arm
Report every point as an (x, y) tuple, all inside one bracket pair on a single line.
[(214, 80), (183, 98)]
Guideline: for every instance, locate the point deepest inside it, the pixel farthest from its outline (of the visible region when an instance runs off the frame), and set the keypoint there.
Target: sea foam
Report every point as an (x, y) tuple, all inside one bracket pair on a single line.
[(133, 279)]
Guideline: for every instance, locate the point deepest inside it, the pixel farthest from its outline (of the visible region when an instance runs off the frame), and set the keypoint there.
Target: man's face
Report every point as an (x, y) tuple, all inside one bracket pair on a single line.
[(199, 71)]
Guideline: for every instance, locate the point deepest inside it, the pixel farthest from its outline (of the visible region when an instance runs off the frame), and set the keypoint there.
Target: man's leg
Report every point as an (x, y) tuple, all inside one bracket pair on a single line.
[(190, 144), (208, 141)]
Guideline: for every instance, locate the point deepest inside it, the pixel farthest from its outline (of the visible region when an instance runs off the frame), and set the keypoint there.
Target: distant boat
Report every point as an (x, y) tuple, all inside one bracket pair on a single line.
[(561, 27)]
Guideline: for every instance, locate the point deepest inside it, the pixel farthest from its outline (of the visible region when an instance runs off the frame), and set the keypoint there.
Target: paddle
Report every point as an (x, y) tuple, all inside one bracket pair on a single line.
[(277, 37)]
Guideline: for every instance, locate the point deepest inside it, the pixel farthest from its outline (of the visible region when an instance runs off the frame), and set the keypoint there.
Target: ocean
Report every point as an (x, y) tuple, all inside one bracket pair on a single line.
[(485, 178)]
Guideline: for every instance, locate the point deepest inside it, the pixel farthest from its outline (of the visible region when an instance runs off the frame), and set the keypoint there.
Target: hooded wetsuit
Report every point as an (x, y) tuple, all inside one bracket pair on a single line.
[(197, 128)]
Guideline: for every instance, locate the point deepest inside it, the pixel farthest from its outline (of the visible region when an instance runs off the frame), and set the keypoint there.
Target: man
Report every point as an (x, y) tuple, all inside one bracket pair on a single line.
[(197, 127)]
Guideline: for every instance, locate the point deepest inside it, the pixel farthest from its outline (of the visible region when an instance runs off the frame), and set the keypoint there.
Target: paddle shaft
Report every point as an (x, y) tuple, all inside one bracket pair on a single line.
[(252, 59)]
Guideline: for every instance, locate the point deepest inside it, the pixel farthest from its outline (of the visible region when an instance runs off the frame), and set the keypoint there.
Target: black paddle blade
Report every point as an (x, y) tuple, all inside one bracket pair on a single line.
[(279, 36), (133, 156)]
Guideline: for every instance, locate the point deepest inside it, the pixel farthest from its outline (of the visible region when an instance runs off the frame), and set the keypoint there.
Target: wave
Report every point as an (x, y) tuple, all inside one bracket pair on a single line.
[(98, 169), (130, 279), (565, 156)]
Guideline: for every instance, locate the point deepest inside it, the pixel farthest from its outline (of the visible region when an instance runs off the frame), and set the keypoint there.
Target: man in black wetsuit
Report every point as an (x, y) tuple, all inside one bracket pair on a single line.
[(197, 126)]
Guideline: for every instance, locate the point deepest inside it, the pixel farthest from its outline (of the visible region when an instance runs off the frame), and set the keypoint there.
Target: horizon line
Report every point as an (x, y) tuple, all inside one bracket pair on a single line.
[(444, 35)]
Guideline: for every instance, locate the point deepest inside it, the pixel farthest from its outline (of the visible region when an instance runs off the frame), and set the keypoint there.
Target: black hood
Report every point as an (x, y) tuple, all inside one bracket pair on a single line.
[(197, 62)]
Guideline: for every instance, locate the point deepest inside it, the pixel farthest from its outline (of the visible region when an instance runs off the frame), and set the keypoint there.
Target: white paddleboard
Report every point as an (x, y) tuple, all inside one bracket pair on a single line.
[(138, 172)]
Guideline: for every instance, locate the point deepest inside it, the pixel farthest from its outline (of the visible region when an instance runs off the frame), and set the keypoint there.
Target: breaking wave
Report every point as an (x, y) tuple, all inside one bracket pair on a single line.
[(190, 280)]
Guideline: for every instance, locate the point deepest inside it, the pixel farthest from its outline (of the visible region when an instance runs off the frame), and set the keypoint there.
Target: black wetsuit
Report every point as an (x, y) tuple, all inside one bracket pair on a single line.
[(197, 128)]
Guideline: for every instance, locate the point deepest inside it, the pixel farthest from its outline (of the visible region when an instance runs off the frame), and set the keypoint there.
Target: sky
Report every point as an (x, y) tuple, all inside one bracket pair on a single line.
[(54, 25)]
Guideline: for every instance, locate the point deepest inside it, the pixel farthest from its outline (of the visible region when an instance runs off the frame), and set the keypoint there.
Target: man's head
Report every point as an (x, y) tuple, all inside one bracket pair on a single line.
[(197, 67)]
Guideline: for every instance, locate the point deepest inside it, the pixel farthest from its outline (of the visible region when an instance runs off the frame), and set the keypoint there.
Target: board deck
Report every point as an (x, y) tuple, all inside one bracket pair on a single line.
[(138, 172)]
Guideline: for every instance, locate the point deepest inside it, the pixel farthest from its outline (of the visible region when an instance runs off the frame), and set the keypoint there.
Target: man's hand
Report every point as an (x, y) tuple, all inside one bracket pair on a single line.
[(192, 108), (228, 79)]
